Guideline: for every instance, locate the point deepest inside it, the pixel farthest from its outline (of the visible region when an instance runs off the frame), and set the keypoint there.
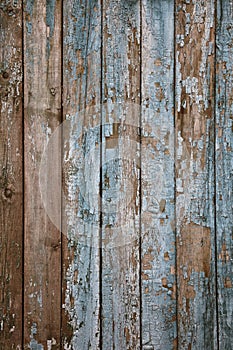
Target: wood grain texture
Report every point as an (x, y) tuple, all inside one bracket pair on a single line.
[(157, 153), (195, 30), (224, 170), (120, 175), (138, 177), (81, 131), (11, 179), (42, 272)]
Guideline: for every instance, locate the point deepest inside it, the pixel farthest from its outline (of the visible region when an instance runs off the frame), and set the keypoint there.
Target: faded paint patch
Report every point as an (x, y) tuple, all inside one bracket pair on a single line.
[(224, 254), (34, 345), (195, 249), (228, 282), (50, 343), (147, 259)]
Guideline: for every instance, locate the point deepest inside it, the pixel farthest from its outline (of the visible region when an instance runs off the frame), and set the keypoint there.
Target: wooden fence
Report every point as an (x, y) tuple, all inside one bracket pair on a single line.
[(116, 174)]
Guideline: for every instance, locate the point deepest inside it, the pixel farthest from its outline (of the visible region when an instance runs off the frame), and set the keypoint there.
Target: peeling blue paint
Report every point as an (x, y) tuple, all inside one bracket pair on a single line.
[(50, 16), (33, 343), (29, 13)]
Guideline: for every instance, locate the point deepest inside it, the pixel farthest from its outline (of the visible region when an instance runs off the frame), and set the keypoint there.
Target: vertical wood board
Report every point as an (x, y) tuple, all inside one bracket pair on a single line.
[(195, 221), (42, 99), (224, 170), (120, 175), (157, 178), (11, 175), (81, 169)]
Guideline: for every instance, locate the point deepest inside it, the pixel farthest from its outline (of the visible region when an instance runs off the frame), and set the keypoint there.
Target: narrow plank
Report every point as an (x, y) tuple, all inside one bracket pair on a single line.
[(224, 169), (120, 175), (81, 168), (158, 212), (11, 178), (195, 217), (42, 272)]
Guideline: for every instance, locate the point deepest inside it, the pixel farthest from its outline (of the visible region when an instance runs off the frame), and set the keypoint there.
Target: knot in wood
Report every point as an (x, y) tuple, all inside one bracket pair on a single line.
[(8, 193)]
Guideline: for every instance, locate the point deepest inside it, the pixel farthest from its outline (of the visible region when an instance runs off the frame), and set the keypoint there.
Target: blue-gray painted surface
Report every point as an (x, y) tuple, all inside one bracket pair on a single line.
[(195, 183), (224, 170), (157, 177), (146, 260)]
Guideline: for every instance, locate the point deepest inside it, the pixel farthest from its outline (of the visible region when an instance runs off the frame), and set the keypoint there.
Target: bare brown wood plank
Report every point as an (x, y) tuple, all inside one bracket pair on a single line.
[(157, 153), (11, 179), (120, 175), (224, 170), (81, 132), (195, 39), (42, 272)]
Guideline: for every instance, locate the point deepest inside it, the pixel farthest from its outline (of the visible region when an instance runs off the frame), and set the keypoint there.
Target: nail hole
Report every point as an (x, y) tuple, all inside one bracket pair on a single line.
[(5, 75), (53, 91)]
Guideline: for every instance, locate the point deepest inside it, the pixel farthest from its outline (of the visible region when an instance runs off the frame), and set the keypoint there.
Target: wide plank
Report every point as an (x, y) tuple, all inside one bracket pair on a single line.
[(195, 183), (42, 102), (224, 170), (81, 170), (120, 170), (11, 175), (157, 177)]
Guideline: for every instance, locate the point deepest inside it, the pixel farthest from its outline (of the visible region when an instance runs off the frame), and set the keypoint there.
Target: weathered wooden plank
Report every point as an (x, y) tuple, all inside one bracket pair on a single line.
[(120, 175), (195, 29), (42, 272), (11, 179), (224, 170), (81, 131), (157, 154)]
